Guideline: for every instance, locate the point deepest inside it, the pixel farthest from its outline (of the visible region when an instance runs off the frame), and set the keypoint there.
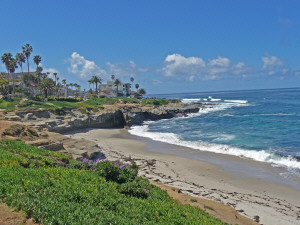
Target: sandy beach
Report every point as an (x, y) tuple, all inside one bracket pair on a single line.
[(252, 188)]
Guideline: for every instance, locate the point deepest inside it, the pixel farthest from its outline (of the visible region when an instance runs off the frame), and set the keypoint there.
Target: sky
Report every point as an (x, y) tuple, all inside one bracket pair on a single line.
[(167, 46)]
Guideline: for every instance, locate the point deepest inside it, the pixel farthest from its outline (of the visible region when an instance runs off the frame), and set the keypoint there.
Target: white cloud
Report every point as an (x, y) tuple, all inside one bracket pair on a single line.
[(191, 78), (50, 70), (84, 68), (156, 82), (218, 65), (211, 77), (285, 70), (177, 64), (270, 62), (125, 69), (241, 68), (297, 74)]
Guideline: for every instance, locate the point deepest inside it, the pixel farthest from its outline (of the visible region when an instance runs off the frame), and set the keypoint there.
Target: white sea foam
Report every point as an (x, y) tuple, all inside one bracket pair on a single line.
[(215, 99), (278, 114), (224, 137), (208, 108), (187, 100), (172, 138), (237, 101)]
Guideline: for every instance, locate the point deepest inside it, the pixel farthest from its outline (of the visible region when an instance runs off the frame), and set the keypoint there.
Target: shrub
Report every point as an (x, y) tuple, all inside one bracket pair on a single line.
[(7, 98), (114, 173), (138, 188)]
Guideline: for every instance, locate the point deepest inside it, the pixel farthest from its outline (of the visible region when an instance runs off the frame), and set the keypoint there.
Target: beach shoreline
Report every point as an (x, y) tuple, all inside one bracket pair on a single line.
[(263, 200)]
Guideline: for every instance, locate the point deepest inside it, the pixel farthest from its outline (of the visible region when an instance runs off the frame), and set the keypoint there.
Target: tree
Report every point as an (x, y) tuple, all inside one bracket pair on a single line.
[(12, 69), (142, 91), (39, 71), (64, 82), (6, 57), (132, 79), (113, 77), (137, 86), (117, 83), (90, 82), (59, 87), (97, 80), (20, 57), (46, 85), (27, 49), (55, 74), (37, 59), (77, 86), (4, 82)]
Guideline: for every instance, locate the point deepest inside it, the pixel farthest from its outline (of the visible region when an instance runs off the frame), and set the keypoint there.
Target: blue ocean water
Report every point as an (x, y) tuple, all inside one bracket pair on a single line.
[(263, 125)]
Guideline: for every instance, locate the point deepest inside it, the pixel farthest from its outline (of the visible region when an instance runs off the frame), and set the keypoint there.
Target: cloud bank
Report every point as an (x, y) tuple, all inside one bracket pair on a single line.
[(177, 64)]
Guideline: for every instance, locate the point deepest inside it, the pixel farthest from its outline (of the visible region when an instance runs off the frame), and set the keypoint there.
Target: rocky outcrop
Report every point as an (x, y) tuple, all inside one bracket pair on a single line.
[(136, 116), (113, 116)]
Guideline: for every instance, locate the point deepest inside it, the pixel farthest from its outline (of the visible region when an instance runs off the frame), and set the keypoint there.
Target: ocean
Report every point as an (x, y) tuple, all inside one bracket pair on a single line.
[(263, 125)]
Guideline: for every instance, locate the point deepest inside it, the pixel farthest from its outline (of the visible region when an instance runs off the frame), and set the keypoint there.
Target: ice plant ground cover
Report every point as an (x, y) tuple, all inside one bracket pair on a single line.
[(53, 188), (92, 103)]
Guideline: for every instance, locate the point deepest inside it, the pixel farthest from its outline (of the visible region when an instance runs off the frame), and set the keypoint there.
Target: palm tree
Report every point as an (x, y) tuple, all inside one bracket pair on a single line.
[(113, 77), (64, 82), (97, 80), (78, 88), (117, 83), (71, 85), (59, 87), (6, 57), (137, 86), (68, 85), (90, 82), (132, 79), (20, 60), (27, 49), (12, 68), (55, 74), (37, 59)]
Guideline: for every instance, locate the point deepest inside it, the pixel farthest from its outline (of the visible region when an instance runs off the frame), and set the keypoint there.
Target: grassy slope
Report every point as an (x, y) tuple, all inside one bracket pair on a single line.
[(55, 189), (91, 103)]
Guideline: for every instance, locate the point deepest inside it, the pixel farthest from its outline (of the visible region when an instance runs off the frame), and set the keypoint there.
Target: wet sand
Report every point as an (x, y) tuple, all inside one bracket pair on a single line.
[(254, 189)]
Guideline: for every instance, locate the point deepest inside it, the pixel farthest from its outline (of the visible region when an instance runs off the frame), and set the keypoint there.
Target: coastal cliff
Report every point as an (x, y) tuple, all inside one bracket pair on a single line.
[(44, 127), (111, 116)]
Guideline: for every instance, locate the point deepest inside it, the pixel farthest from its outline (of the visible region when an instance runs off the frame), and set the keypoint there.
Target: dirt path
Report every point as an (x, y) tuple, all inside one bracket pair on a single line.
[(11, 217)]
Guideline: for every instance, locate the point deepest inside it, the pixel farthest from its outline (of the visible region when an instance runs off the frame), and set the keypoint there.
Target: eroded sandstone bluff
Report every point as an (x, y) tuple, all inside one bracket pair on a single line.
[(42, 127), (112, 116)]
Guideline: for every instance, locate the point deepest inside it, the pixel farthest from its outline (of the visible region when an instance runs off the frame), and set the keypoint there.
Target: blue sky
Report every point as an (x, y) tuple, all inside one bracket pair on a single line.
[(168, 46)]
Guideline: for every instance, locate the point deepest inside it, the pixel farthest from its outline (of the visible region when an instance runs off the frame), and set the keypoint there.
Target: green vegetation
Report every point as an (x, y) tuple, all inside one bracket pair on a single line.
[(159, 101), (193, 200), (53, 188), (9, 105), (90, 104)]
